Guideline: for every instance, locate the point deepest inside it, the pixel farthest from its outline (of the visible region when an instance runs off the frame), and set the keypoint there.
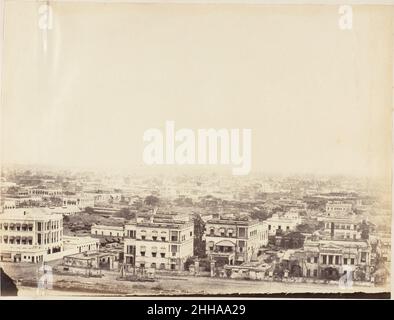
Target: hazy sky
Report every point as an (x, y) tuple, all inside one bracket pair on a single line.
[(318, 99)]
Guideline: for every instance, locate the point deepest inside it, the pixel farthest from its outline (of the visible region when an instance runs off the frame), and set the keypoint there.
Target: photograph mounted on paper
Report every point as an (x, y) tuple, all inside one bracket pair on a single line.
[(167, 149)]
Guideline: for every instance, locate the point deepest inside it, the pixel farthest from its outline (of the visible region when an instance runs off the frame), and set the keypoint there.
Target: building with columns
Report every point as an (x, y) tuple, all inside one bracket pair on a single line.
[(330, 259)]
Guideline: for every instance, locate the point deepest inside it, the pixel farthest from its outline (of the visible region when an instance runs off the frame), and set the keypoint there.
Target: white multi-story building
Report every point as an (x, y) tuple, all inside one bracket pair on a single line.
[(30, 235), (158, 241), (234, 239), (331, 258), (341, 228), (284, 222)]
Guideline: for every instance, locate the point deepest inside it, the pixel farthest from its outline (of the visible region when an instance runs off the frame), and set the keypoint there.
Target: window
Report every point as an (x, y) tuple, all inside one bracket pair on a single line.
[(315, 273), (142, 253), (212, 231), (308, 273), (336, 259), (174, 248), (287, 228), (154, 238), (363, 256), (154, 254), (163, 239), (142, 265), (241, 245), (269, 227), (191, 233), (330, 259), (242, 232), (142, 237), (153, 265), (162, 266), (174, 235), (344, 260), (162, 254), (315, 259), (352, 261), (308, 260), (324, 259)]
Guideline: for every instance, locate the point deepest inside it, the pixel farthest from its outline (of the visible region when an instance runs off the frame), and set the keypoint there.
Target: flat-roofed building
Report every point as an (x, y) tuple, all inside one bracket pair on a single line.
[(330, 259), (234, 239), (334, 208), (67, 210), (30, 235), (107, 231), (284, 222), (73, 245), (341, 228), (158, 241), (82, 201)]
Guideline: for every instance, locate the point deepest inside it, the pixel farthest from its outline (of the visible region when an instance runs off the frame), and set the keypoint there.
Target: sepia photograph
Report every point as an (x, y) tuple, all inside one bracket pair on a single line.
[(196, 149)]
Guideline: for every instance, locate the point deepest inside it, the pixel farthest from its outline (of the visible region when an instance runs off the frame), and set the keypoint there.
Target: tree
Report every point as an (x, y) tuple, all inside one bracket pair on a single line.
[(199, 229), (305, 228), (151, 200), (89, 210), (364, 227), (126, 213), (260, 215)]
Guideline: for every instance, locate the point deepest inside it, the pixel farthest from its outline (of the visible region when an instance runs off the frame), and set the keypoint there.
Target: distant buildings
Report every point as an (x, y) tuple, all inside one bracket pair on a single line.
[(69, 210), (30, 235), (82, 201), (158, 241), (334, 208), (234, 239)]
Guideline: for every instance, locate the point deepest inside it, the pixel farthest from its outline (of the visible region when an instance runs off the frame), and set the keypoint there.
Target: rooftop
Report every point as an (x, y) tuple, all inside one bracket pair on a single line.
[(29, 214)]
